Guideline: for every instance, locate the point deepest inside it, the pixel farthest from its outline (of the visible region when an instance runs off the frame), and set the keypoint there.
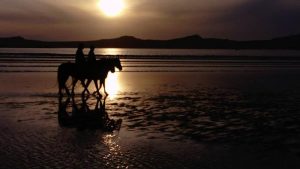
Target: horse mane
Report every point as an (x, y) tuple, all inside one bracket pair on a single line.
[(110, 57)]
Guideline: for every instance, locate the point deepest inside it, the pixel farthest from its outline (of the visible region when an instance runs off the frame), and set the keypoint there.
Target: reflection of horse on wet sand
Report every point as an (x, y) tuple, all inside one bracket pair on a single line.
[(92, 72), (82, 117)]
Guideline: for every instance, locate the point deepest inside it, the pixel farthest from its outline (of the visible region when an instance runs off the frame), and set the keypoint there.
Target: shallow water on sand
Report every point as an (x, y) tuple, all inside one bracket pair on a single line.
[(169, 120)]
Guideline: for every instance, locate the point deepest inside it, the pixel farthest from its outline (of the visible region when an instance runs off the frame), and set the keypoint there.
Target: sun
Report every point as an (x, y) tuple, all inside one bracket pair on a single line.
[(111, 8)]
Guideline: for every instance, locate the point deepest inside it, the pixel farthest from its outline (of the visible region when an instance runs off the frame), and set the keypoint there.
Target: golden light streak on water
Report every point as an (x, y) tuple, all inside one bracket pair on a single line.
[(112, 84), (115, 152)]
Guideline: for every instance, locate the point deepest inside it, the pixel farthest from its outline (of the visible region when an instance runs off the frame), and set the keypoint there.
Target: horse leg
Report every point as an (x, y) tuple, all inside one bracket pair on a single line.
[(61, 87), (96, 85), (64, 86), (62, 79), (86, 85), (67, 90), (104, 88), (97, 88), (74, 81), (60, 90)]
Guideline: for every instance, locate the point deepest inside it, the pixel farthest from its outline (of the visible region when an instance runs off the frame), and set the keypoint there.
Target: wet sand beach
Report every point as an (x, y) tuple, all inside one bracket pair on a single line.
[(235, 119)]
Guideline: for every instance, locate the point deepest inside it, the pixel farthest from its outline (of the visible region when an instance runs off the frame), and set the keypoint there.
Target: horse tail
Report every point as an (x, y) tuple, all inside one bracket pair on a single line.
[(59, 79), (62, 78)]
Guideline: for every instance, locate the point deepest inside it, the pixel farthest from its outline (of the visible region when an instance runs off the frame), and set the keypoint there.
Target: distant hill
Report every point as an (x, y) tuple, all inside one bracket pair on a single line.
[(188, 42)]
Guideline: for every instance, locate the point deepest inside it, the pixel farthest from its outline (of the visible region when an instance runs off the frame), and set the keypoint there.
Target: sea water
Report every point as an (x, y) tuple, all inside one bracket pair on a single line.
[(153, 60)]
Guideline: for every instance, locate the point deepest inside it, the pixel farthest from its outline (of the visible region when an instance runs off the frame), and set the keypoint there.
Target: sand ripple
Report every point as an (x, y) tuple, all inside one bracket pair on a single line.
[(215, 115), (30, 136)]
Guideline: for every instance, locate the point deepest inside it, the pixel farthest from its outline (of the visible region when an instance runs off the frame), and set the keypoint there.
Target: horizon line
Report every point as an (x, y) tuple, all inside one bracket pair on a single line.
[(178, 37)]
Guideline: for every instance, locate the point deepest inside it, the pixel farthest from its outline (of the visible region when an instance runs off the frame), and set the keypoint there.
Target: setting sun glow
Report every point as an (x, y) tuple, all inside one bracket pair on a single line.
[(111, 7)]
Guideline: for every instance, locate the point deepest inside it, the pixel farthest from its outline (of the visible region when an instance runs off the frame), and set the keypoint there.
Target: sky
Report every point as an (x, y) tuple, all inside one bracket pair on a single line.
[(65, 20)]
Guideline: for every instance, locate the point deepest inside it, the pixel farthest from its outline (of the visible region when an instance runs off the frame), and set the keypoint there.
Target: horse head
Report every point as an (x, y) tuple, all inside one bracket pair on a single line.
[(112, 69), (113, 63), (117, 63)]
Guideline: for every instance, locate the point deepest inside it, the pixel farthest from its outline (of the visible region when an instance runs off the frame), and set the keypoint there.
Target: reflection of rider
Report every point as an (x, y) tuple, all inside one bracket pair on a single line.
[(79, 58)]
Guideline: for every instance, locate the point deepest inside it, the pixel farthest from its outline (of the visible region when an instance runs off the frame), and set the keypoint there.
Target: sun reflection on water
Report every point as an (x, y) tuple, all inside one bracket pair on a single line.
[(110, 140), (115, 156), (109, 51), (112, 85)]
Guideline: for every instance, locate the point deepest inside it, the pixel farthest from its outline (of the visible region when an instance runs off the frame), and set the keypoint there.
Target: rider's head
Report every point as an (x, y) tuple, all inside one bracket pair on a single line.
[(92, 47), (80, 46)]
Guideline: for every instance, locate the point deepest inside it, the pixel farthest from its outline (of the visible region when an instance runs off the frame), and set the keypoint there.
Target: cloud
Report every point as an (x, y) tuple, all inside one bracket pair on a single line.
[(65, 20), (173, 18), (261, 19), (237, 19), (39, 11), (151, 19)]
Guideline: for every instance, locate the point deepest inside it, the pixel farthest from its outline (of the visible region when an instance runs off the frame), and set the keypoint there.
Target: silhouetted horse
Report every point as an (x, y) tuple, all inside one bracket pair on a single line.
[(108, 65), (93, 72)]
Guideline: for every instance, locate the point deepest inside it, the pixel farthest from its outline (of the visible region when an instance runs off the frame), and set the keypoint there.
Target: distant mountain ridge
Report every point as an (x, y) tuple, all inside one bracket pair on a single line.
[(188, 42)]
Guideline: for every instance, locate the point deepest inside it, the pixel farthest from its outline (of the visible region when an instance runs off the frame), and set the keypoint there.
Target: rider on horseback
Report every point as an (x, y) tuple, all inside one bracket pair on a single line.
[(79, 58), (91, 56)]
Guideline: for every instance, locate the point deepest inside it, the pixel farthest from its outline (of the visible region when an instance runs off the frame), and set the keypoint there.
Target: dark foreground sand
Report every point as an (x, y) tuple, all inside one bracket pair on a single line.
[(208, 120)]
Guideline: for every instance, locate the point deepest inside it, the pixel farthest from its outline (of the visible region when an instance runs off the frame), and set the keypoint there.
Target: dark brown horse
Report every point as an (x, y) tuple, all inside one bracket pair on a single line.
[(92, 72)]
